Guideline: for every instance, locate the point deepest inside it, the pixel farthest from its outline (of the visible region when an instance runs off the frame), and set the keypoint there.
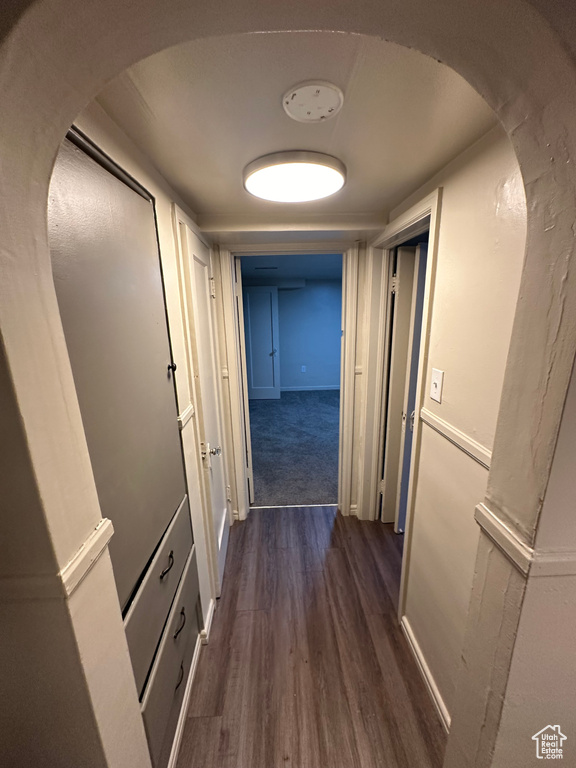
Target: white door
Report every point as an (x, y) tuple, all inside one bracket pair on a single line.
[(262, 342), (409, 409), (401, 282), (239, 308), (207, 392)]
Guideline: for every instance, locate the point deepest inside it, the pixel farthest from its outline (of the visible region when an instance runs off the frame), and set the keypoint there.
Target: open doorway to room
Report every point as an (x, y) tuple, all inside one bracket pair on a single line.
[(406, 288), (292, 313)]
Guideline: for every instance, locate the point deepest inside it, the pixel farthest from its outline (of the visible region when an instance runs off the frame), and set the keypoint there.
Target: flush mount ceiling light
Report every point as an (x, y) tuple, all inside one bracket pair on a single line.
[(294, 177)]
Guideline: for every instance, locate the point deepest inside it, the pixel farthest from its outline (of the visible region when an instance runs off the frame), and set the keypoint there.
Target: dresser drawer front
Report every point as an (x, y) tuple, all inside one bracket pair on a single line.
[(147, 615), (171, 666)]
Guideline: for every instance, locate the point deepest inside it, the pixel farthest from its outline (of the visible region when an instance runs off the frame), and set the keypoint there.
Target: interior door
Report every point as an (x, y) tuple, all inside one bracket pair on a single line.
[(262, 342), (409, 409), (401, 284), (108, 282), (207, 392), (239, 307)]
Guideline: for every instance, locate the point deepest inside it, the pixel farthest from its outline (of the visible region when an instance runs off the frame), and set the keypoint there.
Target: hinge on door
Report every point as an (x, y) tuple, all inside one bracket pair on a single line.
[(381, 487), (395, 284), (212, 287), (228, 493)]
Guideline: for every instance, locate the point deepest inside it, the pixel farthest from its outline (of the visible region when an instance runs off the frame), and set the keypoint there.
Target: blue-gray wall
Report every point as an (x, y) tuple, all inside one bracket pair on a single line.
[(310, 324)]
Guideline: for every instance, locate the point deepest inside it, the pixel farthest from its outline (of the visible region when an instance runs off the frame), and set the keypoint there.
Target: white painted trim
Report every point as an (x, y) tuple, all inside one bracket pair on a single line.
[(353, 510), (369, 456), (173, 759), (237, 383), (426, 674), (530, 562), (287, 249), (224, 223), (185, 416), (519, 553), (426, 214), (409, 224), (319, 388), (467, 444), (553, 564), (350, 265), (205, 633), (73, 573)]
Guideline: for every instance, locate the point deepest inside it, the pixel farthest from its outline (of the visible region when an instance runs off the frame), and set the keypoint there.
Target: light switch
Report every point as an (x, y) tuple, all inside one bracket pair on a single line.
[(436, 385)]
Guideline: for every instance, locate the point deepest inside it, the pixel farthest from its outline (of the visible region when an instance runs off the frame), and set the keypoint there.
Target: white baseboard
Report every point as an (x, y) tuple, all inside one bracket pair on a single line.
[(205, 633), (320, 387), (426, 674), (184, 709)]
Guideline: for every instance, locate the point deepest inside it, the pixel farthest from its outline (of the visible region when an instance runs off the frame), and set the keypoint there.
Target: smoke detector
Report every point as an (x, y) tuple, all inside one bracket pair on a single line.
[(314, 101)]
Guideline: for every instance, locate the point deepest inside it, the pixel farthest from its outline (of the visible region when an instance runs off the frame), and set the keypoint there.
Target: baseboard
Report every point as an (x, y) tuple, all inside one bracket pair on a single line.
[(205, 633), (426, 674), (184, 709), (310, 389)]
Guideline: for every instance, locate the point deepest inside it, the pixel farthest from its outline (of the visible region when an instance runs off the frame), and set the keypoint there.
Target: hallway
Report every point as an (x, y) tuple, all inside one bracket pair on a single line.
[(306, 664)]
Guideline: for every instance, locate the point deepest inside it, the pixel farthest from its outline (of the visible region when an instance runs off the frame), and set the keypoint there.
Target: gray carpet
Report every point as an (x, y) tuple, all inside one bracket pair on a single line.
[(295, 448)]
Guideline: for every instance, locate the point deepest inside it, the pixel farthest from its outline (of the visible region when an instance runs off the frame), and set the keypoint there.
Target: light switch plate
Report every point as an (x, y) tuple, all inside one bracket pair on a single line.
[(436, 385)]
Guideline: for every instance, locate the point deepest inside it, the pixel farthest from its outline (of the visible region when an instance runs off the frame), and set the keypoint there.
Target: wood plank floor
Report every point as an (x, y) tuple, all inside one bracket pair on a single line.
[(307, 666)]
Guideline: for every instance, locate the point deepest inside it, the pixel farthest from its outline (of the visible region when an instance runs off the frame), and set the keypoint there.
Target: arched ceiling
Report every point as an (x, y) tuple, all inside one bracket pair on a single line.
[(203, 110)]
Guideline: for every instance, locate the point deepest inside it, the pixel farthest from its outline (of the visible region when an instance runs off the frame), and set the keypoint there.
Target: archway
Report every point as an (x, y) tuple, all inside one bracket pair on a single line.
[(58, 56)]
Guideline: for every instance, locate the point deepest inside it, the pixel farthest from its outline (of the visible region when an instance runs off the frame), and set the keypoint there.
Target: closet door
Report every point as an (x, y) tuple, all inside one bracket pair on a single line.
[(109, 286)]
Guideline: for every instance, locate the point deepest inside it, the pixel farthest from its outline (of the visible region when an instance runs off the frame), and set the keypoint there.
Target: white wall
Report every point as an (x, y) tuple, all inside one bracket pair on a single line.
[(310, 325), (480, 257), (96, 124)]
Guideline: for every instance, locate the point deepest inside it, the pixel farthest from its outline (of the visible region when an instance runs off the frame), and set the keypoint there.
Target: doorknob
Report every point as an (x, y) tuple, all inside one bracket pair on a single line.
[(216, 451), (273, 352)]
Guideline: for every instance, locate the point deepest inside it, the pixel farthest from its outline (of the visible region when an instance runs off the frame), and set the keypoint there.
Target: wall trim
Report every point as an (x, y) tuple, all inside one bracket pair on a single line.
[(467, 444), (553, 564), (205, 633), (519, 553), (426, 674), (318, 388), (185, 416), (530, 562), (173, 759), (75, 571)]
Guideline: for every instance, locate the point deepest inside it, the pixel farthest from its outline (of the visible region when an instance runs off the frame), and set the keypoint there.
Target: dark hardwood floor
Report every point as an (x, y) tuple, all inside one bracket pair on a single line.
[(307, 666)]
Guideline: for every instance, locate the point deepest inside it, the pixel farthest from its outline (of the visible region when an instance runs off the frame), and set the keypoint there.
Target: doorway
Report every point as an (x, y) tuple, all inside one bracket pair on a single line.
[(291, 344), (407, 264)]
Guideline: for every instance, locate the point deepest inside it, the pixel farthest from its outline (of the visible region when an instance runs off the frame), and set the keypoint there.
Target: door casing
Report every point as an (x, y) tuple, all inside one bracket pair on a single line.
[(231, 288)]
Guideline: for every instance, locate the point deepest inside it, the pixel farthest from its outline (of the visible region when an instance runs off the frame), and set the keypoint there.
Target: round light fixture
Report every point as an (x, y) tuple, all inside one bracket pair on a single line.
[(294, 177)]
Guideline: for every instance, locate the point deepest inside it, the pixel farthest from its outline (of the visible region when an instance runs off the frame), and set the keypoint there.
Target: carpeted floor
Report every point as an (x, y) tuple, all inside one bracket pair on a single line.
[(295, 448)]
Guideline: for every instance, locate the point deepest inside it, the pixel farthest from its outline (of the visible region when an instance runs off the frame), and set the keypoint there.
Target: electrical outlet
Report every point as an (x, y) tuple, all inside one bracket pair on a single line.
[(303, 369)]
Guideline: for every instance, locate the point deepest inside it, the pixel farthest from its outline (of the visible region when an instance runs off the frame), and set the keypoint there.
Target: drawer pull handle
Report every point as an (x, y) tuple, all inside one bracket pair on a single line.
[(181, 676), (181, 627), (170, 565)]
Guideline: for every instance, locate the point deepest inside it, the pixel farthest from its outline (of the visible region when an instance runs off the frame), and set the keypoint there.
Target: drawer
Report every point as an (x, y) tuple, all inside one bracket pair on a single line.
[(174, 715), (147, 615), (170, 672)]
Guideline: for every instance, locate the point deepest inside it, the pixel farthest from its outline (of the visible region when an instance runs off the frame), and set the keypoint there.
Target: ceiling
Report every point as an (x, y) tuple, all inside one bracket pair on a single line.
[(203, 110)]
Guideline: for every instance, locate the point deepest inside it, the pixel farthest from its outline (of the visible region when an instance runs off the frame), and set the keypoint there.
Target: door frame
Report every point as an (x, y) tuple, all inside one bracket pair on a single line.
[(421, 217), (190, 412), (236, 356)]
